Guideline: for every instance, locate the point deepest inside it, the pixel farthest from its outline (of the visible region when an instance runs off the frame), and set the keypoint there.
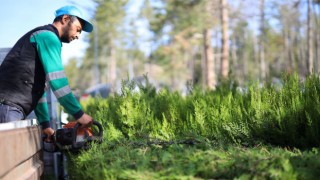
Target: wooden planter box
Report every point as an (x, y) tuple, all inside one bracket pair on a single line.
[(20, 149)]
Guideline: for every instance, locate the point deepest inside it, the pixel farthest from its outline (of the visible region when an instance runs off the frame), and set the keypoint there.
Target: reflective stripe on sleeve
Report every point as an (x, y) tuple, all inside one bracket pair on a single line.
[(55, 75), (42, 100), (62, 91)]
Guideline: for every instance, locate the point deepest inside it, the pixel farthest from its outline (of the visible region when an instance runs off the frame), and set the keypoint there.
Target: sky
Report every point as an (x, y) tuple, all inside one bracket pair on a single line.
[(17, 17)]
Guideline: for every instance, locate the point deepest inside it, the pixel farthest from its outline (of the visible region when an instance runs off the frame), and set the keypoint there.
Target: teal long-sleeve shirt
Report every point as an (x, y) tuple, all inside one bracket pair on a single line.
[(48, 46)]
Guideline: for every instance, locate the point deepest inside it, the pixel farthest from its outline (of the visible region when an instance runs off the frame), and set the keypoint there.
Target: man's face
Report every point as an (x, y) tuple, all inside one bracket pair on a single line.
[(71, 30)]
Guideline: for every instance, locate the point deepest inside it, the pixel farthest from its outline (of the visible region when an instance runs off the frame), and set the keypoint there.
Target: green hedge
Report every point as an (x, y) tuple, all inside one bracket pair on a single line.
[(157, 134), (287, 116)]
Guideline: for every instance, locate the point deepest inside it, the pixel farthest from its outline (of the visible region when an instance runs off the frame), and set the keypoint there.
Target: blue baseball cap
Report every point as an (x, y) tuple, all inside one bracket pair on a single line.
[(74, 11)]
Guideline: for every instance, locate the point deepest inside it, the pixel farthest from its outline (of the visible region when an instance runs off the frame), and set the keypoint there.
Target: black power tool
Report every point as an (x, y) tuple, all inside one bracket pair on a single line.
[(72, 137)]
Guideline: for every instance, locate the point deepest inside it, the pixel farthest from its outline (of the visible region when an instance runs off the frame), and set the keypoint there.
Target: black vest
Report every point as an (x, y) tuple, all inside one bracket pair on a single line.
[(22, 77)]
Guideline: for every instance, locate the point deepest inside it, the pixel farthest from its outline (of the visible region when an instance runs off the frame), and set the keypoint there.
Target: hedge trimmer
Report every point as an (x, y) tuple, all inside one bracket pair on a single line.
[(72, 137)]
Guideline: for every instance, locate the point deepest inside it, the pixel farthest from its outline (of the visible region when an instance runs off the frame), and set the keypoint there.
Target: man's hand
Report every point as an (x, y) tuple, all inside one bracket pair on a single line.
[(49, 132), (85, 120)]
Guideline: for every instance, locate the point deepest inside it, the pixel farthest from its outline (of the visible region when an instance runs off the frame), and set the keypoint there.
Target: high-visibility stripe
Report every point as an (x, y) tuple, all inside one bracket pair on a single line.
[(38, 32), (55, 75), (62, 91), (42, 100)]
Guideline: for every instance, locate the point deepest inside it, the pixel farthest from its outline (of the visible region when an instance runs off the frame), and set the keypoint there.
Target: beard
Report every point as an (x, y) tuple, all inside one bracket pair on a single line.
[(65, 34)]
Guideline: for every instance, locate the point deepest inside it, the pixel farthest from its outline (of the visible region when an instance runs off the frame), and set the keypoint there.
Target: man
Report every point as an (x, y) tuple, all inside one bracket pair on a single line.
[(34, 63)]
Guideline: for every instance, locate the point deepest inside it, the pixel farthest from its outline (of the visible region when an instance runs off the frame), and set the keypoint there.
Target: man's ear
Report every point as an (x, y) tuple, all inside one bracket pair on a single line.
[(65, 19)]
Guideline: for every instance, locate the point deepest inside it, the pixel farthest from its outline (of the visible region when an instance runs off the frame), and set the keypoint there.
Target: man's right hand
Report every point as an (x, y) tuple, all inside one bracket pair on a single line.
[(49, 132), (85, 120)]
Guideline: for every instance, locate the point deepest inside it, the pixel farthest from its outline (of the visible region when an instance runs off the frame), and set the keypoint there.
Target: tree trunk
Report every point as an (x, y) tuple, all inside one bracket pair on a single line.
[(235, 65), (208, 66), (210, 79), (112, 67), (256, 52), (225, 39), (291, 50), (286, 49), (318, 52), (262, 41), (192, 60), (317, 44), (310, 36), (96, 55)]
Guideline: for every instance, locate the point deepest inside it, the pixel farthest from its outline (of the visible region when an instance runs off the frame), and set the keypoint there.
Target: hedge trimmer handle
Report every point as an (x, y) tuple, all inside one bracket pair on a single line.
[(100, 134), (87, 138)]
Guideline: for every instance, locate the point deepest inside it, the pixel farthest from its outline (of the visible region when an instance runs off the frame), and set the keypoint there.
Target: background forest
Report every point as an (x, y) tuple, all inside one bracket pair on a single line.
[(186, 43)]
